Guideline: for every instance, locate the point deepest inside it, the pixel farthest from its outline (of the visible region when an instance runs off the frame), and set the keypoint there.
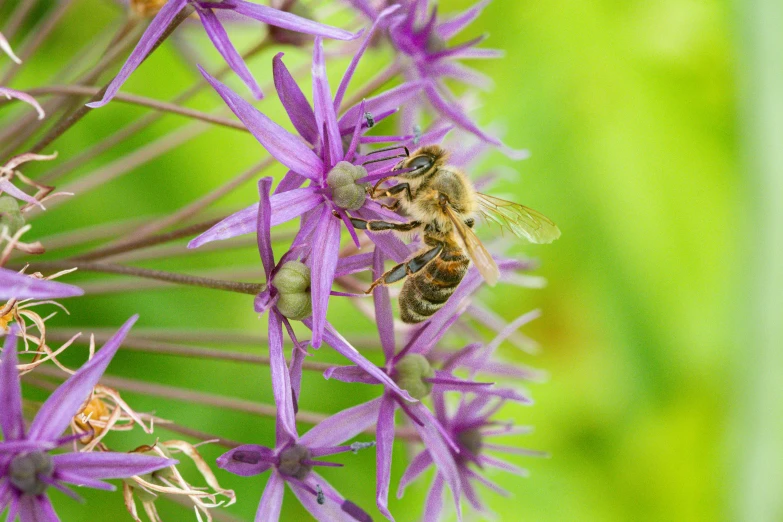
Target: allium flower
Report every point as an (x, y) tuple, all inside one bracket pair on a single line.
[(411, 370), (287, 296), (293, 458), (14, 285), (331, 167), (27, 468), (216, 32), (470, 425), (421, 37)]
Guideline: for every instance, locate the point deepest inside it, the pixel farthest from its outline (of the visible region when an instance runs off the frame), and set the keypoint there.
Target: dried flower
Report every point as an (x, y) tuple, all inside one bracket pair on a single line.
[(29, 467)]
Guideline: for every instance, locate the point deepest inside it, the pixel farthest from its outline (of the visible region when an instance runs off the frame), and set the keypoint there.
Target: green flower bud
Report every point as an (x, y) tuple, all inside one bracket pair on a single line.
[(411, 371), (472, 440), (10, 216), (346, 193), (292, 281)]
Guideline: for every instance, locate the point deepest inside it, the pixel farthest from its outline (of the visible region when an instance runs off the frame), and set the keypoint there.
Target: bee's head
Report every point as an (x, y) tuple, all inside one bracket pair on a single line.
[(422, 161)]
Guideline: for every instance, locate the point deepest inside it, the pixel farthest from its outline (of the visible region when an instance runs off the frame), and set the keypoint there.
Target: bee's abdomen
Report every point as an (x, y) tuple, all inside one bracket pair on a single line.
[(425, 292)]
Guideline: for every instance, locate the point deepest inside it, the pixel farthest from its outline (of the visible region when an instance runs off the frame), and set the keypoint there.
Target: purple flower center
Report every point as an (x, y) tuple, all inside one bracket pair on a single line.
[(294, 462), (29, 472), (472, 440)]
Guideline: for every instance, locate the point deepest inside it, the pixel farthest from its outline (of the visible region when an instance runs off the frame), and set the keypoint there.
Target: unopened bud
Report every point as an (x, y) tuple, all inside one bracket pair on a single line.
[(10, 215), (292, 281), (346, 192), (411, 371)]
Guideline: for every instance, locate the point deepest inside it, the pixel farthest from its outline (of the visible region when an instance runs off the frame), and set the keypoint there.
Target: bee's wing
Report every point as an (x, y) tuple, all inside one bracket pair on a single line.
[(522, 221), (478, 254)]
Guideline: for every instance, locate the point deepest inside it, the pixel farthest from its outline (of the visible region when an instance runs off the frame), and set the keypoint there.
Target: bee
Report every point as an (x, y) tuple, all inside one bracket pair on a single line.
[(442, 202)]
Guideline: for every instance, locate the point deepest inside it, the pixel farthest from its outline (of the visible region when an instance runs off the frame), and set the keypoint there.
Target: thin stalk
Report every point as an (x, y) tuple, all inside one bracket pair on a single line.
[(159, 275), (207, 399), (187, 231), (37, 36), (370, 87), (161, 106), (203, 202), (17, 17), (67, 122), (138, 125), (178, 350), (15, 135)]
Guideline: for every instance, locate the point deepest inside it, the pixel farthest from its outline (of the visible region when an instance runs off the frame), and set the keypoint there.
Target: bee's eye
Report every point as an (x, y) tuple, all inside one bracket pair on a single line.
[(420, 162)]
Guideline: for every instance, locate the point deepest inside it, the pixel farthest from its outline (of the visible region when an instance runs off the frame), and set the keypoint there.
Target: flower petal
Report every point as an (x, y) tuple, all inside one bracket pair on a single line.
[(220, 40), (338, 97), (6, 48), (109, 465), (349, 374), (286, 20), (384, 439), (418, 465), (453, 112), (449, 28), (285, 206), (441, 455), (36, 509), (58, 410), (342, 426), (272, 499), (323, 264), (14, 285), (23, 96), (434, 504), (352, 264), (11, 420), (386, 101), (325, 117), (384, 318), (284, 146), (281, 382), (264, 227), (9, 188), (262, 459), (330, 510), (338, 342), (145, 46), (294, 101)]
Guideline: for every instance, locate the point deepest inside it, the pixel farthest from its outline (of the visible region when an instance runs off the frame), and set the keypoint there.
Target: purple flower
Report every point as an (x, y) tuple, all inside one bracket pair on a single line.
[(332, 168), (293, 458), (287, 297), (412, 371), (421, 36), (14, 285), (216, 32), (470, 425), (27, 468)]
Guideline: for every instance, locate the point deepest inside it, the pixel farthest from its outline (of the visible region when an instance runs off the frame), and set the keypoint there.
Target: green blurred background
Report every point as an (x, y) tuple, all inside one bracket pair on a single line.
[(652, 127)]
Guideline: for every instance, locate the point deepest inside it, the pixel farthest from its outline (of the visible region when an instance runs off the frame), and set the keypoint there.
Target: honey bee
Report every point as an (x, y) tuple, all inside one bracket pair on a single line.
[(442, 202)]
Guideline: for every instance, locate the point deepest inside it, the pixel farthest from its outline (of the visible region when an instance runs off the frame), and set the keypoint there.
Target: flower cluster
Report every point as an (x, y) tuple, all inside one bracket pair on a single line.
[(371, 210)]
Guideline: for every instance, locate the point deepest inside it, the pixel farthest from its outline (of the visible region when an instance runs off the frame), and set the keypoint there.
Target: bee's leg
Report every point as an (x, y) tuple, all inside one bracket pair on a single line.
[(393, 191), (377, 225), (402, 270)]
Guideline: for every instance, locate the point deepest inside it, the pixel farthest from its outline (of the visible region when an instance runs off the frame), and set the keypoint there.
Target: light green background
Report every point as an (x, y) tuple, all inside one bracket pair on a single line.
[(633, 113)]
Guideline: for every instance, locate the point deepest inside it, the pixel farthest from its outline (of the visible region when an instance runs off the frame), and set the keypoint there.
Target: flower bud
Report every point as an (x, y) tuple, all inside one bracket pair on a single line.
[(346, 193), (411, 371), (292, 282), (10, 215), (28, 472), (291, 462)]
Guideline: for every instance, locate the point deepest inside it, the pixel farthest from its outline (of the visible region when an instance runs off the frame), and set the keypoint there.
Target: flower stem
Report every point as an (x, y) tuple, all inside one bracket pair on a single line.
[(81, 90), (159, 275)]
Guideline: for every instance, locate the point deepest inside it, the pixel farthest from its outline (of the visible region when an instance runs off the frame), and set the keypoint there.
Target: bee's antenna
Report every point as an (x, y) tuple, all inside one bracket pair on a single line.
[(385, 159), (387, 149)]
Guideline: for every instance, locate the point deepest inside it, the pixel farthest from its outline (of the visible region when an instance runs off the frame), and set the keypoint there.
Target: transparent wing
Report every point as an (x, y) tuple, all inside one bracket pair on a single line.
[(478, 254), (521, 221)]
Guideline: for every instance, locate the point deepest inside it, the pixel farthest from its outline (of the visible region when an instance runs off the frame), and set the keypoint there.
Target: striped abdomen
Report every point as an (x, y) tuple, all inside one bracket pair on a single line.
[(426, 291)]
